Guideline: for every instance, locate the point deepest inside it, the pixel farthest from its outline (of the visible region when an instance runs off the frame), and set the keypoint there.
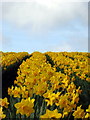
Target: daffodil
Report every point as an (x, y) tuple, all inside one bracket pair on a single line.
[(25, 107), (79, 113), (4, 102), (51, 114)]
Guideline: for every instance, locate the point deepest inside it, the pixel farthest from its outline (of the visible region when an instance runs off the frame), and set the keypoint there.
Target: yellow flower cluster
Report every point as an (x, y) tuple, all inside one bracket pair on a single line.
[(67, 102), (80, 113), (53, 80), (9, 58), (74, 62)]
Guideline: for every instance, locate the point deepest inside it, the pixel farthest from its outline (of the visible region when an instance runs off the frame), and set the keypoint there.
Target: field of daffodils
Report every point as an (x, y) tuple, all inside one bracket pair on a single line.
[(51, 85)]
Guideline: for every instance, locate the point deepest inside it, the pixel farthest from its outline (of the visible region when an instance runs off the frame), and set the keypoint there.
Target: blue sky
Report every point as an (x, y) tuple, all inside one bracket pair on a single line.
[(44, 26)]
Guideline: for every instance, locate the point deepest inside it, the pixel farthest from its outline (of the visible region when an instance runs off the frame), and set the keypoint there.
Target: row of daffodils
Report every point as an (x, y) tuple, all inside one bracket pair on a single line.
[(10, 59), (50, 85)]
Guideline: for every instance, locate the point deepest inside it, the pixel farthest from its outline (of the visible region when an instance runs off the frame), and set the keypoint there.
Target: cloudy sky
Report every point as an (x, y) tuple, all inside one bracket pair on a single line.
[(44, 25)]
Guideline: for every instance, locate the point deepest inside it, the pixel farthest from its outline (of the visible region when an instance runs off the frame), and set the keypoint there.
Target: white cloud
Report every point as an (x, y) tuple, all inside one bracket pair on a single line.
[(46, 15), (41, 15)]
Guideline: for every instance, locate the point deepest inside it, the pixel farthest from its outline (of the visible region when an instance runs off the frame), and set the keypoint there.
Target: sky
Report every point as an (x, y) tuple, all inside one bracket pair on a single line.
[(44, 25)]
